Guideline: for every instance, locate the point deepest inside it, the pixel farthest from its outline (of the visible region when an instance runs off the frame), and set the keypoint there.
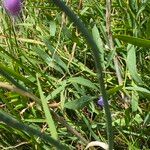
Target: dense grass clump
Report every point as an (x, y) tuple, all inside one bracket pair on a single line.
[(50, 94)]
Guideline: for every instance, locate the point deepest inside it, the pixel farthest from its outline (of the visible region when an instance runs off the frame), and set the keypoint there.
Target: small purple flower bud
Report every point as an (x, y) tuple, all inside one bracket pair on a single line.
[(13, 7), (100, 102)]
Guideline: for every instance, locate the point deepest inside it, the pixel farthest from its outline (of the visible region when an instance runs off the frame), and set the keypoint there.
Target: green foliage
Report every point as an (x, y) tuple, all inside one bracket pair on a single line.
[(133, 40), (131, 64), (44, 41), (48, 115), (79, 104)]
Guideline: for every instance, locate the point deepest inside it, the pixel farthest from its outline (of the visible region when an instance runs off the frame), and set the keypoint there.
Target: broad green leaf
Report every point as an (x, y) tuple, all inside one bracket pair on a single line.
[(131, 64), (47, 112), (82, 81), (139, 89), (115, 89), (79, 103), (133, 40)]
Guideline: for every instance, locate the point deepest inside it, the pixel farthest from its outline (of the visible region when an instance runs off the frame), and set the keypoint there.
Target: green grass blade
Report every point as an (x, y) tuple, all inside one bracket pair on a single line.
[(55, 92), (131, 64), (99, 42), (48, 115), (79, 103), (48, 60), (133, 40), (82, 81), (17, 61), (79, 24), (15, 74), (12, 80), (139, 89), (31, 131)]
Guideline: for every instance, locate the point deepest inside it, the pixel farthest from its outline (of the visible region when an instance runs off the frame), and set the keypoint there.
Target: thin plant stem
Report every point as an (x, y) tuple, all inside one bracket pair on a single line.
[(111, 43), (81, 27)]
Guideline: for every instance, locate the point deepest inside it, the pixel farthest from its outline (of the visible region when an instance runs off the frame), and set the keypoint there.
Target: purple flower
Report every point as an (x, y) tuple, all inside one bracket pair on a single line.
[(13, 7), (100, 102)]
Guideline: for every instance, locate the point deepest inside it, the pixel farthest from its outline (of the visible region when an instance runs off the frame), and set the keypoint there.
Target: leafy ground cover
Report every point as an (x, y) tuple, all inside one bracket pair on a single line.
[(48, 78)]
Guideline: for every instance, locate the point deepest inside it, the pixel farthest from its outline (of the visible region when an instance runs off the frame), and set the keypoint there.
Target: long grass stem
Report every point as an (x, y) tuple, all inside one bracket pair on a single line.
[(81, 27)]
